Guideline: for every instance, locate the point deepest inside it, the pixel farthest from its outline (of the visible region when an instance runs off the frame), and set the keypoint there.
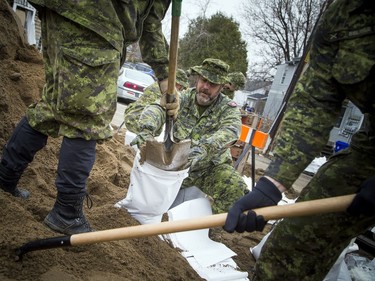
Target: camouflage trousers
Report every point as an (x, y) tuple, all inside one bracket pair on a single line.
[(306, 248), (222, 183), (79, 97)]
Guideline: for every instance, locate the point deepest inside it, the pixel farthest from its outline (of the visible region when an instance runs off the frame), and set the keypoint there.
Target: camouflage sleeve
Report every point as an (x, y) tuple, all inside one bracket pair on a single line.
[(311, 113), (134, 110), (227, 132), (153, 45), (152, 119)]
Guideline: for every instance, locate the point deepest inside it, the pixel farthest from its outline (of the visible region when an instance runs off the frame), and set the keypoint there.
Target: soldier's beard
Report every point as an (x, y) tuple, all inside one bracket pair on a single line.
[(205, 99)]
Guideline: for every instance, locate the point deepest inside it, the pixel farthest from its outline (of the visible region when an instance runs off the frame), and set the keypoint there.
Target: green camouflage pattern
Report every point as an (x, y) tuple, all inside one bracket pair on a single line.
[(78, 100), (342, 66), (222, 183), (182, 78), (151, 94), (215, 131), (84, 45), (237, 79), (134, 110), (227, 92), (306, 248), (339, 69), (121, 23), (213, 70)]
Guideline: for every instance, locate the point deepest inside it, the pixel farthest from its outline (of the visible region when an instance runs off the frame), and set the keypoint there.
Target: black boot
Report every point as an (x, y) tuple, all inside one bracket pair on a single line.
[(67, 215), (8, 183)]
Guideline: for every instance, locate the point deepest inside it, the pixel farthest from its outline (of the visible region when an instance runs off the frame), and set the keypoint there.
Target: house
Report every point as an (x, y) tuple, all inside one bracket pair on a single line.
[(347, 124), (27, 15), (283, 77), (255, 96)]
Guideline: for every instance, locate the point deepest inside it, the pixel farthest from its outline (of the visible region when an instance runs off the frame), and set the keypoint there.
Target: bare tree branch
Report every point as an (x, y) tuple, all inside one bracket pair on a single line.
[(281, 27)]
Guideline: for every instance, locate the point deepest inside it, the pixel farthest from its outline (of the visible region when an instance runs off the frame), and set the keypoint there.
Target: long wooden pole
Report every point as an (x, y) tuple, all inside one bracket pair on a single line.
[(307, 208)]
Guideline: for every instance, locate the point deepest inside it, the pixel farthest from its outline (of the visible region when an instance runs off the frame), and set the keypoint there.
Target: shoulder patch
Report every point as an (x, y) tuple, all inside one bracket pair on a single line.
[(232, 103)]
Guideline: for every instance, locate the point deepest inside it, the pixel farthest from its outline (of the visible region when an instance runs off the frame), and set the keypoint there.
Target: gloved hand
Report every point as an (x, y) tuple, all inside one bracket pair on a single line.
[(171, 107), (141, 138), (265, 193), (196, 155), (163, 85), (364, 202)]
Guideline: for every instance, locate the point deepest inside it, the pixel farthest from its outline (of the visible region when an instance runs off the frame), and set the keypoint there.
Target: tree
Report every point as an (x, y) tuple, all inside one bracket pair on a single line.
[(216, 37), (282, 29)]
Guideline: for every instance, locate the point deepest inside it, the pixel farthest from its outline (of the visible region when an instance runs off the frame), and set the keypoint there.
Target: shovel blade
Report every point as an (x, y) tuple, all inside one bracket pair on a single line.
[(173, 159)]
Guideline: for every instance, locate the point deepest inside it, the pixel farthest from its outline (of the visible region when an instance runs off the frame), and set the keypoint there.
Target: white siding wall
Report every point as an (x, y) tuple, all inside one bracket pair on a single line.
[(280, 84)]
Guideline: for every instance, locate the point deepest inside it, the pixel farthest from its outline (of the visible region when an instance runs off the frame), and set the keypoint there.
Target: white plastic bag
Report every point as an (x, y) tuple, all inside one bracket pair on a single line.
[(151, 191)]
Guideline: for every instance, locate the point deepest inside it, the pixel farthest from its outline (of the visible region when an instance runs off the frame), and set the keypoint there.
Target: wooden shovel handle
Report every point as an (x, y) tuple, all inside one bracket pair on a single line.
[(307, 208), (173, 49)]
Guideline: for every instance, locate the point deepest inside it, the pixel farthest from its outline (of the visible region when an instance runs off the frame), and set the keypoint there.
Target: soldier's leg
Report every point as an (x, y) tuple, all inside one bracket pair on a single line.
[(306, 248), (186, 194), (19, 151), (77, 157), (224, 185)]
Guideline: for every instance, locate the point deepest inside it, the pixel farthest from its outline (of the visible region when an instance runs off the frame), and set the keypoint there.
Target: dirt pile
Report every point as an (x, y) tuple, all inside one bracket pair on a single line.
[(21, 80)]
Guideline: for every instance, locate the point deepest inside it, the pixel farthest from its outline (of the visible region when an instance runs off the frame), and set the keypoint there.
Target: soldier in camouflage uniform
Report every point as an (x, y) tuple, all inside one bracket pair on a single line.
[(341, 67), (151, 94), (212, 122), (84, 44), (236, 81)]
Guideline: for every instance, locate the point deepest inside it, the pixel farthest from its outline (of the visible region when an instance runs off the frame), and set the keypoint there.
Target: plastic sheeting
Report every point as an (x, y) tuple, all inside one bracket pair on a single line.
[(211, 260)]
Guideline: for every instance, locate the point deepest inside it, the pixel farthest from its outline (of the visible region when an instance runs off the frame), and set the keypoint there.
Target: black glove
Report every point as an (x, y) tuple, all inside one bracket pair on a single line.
[(364, 202), (265, 193)]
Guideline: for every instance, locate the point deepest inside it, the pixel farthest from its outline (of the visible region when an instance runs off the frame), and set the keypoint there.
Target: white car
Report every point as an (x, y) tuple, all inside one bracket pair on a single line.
[(131, 83)]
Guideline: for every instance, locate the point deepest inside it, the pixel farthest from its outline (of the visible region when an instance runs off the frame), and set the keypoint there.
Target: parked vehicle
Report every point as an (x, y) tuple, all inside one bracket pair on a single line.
[(131, 83), (144, 67), (128, 65)]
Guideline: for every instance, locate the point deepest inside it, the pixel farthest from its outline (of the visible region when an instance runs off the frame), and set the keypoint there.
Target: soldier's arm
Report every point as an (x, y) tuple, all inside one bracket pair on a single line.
[(153, 45), (228, 131), (310, 115), (134, 110)]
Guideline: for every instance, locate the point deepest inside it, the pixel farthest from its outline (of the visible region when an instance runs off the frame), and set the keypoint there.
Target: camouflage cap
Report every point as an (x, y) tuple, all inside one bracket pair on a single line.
[(214, 70), (237, 79), (182, 78)]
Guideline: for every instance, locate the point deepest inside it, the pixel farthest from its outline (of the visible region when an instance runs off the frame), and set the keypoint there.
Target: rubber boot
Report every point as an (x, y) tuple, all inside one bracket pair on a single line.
[(67, 215), (8, 183)]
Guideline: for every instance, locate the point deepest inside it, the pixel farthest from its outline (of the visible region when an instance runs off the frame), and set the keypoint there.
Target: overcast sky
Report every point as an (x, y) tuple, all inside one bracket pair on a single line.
[(191, 9)]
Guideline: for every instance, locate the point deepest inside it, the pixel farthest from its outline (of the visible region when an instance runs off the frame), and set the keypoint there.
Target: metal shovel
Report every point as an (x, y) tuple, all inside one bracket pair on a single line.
[(169, 155), (299, 209)]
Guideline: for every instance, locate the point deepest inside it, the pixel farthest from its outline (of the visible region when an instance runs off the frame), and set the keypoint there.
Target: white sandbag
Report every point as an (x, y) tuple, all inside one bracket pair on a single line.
[(129, 136), (151, 191)]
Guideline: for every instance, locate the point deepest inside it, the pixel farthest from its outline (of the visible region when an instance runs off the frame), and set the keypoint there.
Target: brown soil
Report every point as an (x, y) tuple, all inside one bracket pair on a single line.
[(21, 80)]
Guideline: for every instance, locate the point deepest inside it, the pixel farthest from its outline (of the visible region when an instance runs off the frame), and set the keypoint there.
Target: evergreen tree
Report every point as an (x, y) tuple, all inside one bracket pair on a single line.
[(216, 37)]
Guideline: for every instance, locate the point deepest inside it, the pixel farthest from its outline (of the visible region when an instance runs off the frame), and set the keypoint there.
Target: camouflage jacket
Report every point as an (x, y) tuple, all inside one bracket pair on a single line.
[(228, 93), (341, 67), (134, 110), (215, 130), (121, 23)]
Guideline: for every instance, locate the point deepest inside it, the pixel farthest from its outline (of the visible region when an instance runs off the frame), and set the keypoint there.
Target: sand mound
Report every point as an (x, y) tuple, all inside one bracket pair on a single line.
[(21, 80)]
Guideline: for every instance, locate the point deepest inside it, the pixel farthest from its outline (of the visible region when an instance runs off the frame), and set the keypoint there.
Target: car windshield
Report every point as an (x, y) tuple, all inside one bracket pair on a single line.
[(139, 76)]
